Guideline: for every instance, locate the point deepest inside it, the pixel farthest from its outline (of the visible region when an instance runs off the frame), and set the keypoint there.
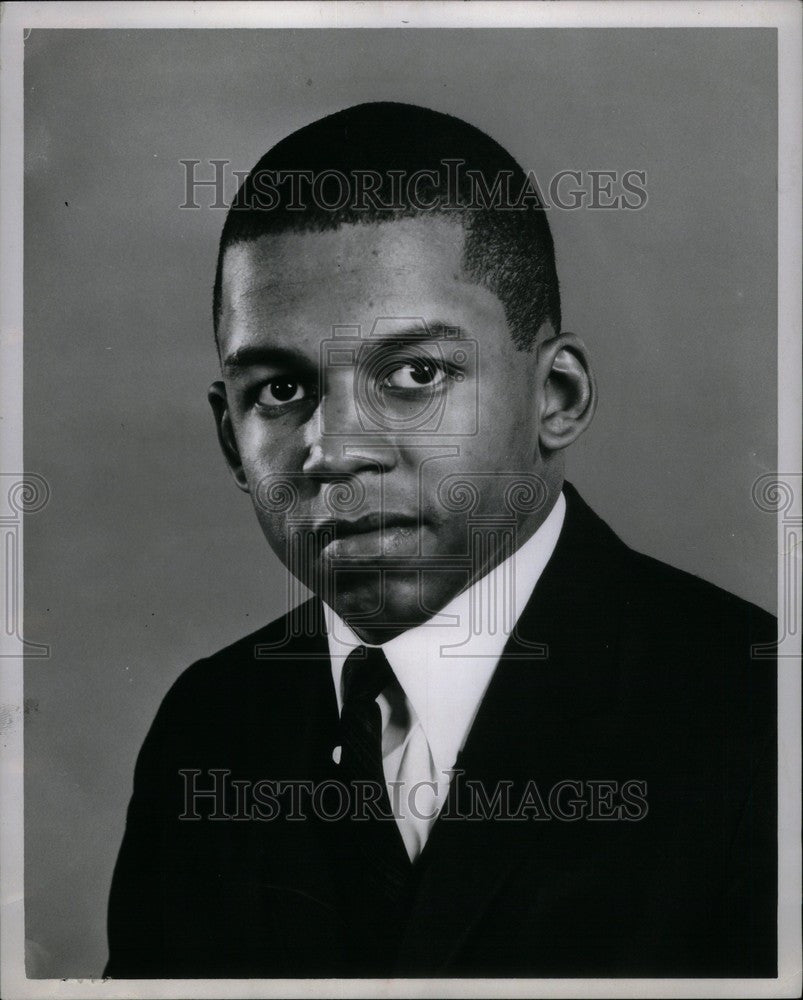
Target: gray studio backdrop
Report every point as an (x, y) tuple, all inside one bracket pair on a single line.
[(147, 557)]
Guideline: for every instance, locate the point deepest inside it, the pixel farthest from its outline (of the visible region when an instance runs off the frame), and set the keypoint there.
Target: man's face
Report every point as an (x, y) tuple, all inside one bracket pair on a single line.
[(366, 378)]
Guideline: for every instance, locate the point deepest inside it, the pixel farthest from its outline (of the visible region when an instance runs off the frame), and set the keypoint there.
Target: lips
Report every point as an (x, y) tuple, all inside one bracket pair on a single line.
[(373, 522), (372, 535)]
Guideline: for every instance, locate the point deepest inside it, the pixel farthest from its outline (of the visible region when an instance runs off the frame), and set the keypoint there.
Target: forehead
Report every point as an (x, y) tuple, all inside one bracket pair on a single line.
[(296, 286)]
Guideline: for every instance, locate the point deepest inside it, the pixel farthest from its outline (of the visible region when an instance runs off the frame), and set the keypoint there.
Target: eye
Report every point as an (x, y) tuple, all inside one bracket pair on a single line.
[(281, 391), (414, 374)]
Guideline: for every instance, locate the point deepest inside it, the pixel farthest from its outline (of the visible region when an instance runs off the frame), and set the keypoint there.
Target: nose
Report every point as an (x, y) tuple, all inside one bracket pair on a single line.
[(337, 442)]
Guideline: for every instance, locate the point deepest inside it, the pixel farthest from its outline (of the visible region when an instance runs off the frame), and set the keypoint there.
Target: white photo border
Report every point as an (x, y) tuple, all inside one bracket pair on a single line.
[(783, 15)]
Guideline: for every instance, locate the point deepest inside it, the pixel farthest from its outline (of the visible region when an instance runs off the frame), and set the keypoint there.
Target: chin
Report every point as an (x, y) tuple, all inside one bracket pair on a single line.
[(391, 602), (370, 601)]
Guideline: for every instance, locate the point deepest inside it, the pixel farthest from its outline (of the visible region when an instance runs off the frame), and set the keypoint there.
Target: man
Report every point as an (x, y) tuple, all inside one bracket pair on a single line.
[(496, 742)]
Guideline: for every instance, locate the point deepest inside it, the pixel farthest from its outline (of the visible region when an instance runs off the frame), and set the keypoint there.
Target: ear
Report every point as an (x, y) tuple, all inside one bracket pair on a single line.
[(568, 391), (225, 433)]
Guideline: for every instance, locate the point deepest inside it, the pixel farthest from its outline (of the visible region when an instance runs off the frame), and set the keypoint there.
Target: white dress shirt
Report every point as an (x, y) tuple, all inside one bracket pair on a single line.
[(443, 668)]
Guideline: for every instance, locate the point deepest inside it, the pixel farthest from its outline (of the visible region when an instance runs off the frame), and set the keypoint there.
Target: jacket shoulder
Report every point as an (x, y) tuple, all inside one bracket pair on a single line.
[(699, 655), (664, 589), (254, 679), (298, 633), (658, 593)]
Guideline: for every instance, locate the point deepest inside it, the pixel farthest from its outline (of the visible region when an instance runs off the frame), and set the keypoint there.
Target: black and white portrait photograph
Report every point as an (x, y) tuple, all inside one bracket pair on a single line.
[(401, 499)]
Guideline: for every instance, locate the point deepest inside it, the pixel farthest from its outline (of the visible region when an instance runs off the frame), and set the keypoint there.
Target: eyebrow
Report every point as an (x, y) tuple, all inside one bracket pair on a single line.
[(251, 356), (254, 355), (433, 330)]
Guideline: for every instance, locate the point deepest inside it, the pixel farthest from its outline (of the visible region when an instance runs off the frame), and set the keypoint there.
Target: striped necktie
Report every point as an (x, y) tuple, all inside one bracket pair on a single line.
[(366, 673)]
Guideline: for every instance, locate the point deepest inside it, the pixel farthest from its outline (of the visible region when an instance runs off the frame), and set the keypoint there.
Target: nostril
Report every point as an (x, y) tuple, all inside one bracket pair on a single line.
[(315, 458)]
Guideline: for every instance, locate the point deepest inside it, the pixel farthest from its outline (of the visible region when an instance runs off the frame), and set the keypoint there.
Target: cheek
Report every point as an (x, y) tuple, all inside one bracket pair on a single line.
[(269, 449), (476, 479), (507, 429), (505, 397)]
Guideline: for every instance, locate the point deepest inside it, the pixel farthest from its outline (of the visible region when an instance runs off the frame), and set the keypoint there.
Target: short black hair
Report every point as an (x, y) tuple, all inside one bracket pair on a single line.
[(383, 161)]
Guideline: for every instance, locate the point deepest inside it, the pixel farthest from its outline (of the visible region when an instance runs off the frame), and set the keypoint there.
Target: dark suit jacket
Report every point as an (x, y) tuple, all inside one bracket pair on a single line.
[(648, 676)]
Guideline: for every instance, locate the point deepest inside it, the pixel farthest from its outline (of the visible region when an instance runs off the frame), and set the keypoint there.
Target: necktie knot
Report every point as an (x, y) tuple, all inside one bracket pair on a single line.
[(366, 673)]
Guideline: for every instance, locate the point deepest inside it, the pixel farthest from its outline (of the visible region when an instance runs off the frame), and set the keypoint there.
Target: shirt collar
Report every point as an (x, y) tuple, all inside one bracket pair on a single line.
[(445, 665)]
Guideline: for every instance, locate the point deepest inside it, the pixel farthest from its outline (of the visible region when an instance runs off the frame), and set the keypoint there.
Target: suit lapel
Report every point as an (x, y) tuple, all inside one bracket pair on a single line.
[(293, 728), (529, 728)]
